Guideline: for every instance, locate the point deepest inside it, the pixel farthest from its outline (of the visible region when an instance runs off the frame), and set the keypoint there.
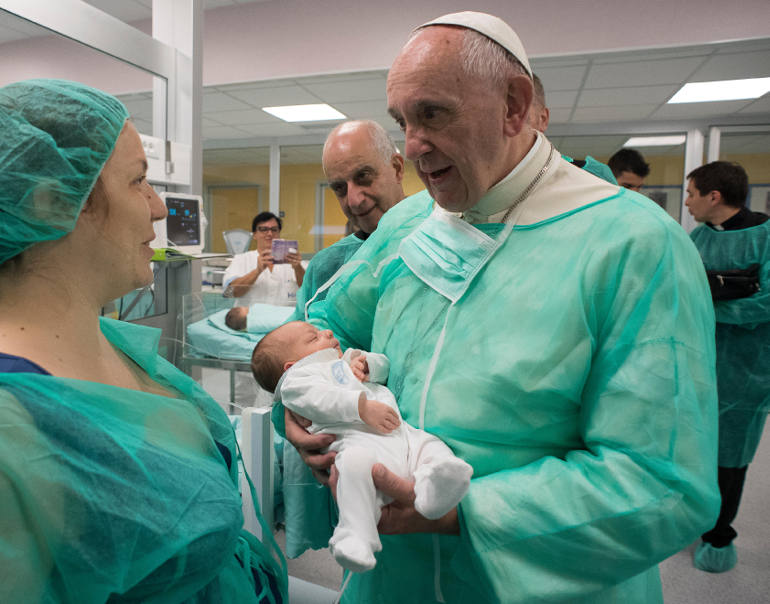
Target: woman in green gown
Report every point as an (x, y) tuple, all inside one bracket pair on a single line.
[(118, 472)]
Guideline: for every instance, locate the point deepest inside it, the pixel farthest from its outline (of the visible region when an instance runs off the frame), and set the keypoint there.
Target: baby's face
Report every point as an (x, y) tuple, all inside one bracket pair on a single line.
[(305, 339), (240, 311)]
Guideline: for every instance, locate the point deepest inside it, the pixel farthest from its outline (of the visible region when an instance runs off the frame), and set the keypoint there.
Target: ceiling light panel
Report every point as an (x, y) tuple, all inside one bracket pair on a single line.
[(655, 141), (722, 90), (305, 113)]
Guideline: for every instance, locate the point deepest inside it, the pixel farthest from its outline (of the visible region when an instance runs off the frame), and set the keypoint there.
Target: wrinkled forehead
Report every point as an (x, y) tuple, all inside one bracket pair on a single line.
[(345, 166), (427, 68), (432, 47)]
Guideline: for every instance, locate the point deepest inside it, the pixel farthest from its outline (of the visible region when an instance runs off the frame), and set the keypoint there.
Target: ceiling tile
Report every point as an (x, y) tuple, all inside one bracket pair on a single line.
[(654, 54), (742, 46), (349, 90), (632, 95), (761, 105), (560, 78), (613, 113), (733, 66), (279, 129), (272, 97), (269, 84), (218, 101), (346, 77), (641, 73), (559, 115), (365, 109), (560, 99), (249, 116)]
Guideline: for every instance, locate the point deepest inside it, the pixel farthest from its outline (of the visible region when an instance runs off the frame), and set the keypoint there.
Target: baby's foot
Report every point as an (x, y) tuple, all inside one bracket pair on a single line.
[(439, 488), (353, 554)]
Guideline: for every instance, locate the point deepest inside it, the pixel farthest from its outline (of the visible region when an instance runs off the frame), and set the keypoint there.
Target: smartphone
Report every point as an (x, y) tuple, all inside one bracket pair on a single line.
[(282, 247)]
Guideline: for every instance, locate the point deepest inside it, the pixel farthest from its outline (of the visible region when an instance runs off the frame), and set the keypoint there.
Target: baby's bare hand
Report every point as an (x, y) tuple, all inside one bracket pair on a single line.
[(360, 368), (378, 415)]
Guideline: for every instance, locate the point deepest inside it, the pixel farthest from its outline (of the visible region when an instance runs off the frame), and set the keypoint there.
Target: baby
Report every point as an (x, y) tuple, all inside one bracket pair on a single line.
[(343, 394), (236, 318)]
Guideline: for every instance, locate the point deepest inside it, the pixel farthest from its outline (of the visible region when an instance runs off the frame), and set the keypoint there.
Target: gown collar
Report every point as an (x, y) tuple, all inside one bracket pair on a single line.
[(138, 342), (495, 202)]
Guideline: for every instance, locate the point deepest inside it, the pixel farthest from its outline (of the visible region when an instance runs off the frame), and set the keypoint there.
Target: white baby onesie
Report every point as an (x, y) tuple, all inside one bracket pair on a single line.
[(322, 388)]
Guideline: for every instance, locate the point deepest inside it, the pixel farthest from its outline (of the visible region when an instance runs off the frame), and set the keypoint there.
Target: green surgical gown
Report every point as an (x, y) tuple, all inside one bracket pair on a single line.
[(109, 494), (742, 339), (576, 377), (595, 167)]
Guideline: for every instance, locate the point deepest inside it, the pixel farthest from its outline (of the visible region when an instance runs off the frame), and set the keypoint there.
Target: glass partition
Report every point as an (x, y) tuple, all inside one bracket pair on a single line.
[(750, 147), (311, 215), (236, 188)]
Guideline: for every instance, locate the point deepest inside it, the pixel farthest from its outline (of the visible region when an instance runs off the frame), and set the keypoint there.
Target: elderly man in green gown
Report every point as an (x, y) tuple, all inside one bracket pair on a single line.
[(553, 329), (364, 169)]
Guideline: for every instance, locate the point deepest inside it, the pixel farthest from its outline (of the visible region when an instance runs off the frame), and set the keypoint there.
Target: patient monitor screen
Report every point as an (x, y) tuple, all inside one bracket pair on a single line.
[(183, 223)]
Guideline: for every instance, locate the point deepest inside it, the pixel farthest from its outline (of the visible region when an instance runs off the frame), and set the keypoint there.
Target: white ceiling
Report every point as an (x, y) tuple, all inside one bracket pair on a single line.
[(596, 100)]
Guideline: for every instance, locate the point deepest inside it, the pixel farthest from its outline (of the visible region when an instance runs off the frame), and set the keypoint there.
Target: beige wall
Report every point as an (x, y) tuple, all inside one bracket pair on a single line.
[(232, 190), (757, 166), (234, 207), (668, 170)]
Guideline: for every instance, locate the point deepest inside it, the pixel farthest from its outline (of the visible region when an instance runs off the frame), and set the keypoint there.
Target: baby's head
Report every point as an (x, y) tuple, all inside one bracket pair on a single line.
[(284, 346), (236, 317)]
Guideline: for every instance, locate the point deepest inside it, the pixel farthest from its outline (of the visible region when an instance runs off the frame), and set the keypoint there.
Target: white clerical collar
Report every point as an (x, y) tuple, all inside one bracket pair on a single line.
[(500, 197)]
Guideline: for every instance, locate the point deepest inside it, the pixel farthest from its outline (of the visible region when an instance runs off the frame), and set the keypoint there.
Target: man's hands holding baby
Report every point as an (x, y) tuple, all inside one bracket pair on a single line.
[(377, 415), (311, 447)]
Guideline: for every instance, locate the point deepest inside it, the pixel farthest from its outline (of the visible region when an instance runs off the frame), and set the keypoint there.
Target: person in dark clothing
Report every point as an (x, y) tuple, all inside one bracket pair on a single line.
[(734, 243)]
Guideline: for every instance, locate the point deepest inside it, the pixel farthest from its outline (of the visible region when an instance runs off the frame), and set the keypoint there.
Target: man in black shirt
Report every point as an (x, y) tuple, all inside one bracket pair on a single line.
[(734, 243)]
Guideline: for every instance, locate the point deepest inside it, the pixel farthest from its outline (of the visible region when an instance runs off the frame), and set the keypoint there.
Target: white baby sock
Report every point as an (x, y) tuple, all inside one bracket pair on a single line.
[(439, 487), (352, 553)]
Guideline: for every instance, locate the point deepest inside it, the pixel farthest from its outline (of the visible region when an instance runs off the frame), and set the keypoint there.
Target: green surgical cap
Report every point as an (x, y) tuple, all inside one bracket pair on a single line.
[(55, 137)]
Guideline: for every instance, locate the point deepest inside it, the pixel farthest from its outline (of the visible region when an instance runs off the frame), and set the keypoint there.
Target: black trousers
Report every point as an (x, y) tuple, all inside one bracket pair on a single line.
[(730, 487)]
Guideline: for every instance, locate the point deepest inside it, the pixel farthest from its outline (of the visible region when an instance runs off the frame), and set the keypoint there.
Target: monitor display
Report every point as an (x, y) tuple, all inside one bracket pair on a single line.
[(183, 225)]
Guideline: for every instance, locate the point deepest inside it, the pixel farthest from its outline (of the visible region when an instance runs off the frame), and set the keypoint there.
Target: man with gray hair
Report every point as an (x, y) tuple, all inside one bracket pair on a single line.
[(364, 169), (554, 330)]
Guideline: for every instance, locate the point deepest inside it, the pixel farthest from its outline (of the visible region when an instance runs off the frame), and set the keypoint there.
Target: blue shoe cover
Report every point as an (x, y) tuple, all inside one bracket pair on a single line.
[(715, 559)]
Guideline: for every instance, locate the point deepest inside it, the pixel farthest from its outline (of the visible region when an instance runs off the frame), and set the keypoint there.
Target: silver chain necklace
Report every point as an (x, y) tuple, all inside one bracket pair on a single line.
[(532, 184)]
